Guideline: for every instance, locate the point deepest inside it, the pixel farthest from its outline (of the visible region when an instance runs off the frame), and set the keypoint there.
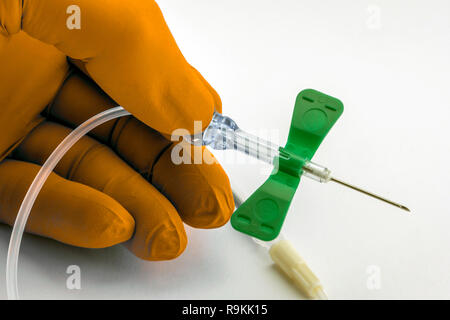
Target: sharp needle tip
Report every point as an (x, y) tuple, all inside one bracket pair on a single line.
[(405, 208), (371, 194)]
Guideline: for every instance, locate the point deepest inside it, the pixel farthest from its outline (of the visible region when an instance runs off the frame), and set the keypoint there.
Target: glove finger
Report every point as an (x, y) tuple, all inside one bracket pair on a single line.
[(31, 73), (66, 211), (80, 98), (200, 192), (212, 91), (127, 49), (196, 184), (159, 232)]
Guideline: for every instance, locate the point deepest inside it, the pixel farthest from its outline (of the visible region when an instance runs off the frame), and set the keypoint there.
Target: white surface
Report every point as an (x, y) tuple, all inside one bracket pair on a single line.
[(393, 77)]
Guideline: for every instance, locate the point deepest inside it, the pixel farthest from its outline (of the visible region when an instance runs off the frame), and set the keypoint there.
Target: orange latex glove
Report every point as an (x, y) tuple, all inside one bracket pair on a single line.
[(119, 184)]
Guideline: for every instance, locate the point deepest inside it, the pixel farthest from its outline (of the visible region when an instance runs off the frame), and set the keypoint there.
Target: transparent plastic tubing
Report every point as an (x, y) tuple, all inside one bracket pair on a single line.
[(36, 186)]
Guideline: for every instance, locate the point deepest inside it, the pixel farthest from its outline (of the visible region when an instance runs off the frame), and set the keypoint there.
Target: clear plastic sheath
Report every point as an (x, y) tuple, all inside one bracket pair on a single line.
[(223, 134), (35, 188)]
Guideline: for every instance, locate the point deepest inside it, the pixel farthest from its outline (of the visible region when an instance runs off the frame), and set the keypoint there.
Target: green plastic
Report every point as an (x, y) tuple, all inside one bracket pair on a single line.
[(262, 215)]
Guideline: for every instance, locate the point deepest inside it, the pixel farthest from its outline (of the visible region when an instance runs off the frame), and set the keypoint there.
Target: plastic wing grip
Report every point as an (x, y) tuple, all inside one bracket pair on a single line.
[(263, 213)]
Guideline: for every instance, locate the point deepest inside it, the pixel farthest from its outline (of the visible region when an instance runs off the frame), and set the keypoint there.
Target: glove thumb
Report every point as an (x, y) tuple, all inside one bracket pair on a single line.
[(127, 49)]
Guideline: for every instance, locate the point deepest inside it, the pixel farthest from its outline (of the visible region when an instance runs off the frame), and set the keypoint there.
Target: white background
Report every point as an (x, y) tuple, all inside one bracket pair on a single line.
[(389, 62)]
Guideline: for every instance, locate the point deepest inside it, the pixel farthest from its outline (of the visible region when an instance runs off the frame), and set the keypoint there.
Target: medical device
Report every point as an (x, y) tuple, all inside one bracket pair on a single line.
[(262, 214)]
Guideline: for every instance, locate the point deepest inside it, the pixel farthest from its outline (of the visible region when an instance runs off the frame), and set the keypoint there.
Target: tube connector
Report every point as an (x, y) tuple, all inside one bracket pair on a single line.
[(291, 263), (316, 172)]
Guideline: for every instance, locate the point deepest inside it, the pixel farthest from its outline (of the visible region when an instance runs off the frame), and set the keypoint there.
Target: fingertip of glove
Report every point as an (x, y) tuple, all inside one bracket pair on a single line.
[(211, 90), (107, 224), (189, 102), (200, 192), (165, 242), (214, 212), (195, 104)]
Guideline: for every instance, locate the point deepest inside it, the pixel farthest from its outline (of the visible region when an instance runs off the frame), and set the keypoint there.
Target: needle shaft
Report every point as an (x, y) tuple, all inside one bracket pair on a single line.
[(370, 194)]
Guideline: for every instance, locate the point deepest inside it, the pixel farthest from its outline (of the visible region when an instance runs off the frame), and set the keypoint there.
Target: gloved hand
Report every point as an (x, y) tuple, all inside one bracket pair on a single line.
[(119, 184)]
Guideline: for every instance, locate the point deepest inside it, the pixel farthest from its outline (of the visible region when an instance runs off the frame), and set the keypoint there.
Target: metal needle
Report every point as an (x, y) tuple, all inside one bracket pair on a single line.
[(370, 194)]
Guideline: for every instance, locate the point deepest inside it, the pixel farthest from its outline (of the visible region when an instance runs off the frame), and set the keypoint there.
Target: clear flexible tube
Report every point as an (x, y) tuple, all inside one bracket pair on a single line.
[(35, 188)]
